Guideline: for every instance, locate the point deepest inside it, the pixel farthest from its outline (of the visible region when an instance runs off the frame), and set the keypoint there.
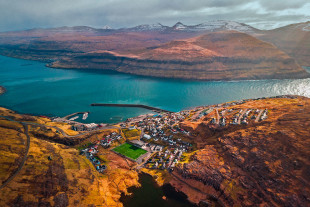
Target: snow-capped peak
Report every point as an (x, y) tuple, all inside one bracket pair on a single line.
[(216, 25), (145, 27), (221, 25), (106, 27), (179, 26)]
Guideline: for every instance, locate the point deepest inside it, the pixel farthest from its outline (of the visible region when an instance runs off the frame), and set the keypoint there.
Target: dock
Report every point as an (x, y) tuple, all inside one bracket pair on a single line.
[(76, 113), (157, 110)]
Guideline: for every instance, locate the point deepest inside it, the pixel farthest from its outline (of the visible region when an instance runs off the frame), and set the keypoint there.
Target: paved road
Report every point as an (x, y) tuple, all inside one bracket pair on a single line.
[(217, 117), (259, 115), (241, 115), (196, 114)]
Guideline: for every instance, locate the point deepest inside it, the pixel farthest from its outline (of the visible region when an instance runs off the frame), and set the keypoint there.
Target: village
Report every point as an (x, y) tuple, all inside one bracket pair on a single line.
[(161, 141)]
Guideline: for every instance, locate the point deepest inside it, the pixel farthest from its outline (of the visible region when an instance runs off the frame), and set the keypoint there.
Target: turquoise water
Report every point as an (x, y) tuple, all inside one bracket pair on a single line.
[(35, 89)]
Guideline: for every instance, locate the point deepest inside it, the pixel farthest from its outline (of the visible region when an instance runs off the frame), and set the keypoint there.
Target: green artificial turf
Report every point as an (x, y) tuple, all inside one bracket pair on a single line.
[(130, 150)]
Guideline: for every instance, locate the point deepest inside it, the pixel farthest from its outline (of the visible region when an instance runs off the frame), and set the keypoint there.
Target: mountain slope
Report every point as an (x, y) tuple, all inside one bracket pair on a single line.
[(213, 50), (227, 55), (293, 39), (259, 164)]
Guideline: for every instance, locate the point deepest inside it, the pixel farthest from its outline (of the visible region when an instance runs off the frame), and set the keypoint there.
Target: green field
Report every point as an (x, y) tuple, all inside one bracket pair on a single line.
[(130, 150)]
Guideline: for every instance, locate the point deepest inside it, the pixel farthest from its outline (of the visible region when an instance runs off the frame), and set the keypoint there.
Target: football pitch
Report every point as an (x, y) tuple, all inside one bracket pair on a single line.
[(130, 150)]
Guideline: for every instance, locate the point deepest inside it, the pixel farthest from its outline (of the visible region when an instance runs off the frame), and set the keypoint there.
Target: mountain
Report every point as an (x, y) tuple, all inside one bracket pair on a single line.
[(107, 27), (179, 26), (294, 39), (218, 25), (209, 26), (214, 50), (148, 27), (226, 55)]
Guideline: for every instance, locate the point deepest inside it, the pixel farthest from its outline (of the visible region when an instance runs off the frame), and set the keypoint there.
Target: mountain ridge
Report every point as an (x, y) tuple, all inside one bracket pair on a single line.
[(242, 54)]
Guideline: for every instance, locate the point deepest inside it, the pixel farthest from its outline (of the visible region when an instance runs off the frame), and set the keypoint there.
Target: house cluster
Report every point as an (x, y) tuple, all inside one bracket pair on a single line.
[(109, 139), (162, 135), (164, 129), (91, 151), (165, 159), (147, 146), (203, 113), (240, 116)]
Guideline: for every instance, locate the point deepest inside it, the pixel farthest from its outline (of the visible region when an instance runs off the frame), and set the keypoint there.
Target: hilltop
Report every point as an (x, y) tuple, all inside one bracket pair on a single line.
[(214, 50)]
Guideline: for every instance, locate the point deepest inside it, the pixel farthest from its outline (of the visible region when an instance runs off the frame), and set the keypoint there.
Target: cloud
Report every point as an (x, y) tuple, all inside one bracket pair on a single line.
[(25, 14)]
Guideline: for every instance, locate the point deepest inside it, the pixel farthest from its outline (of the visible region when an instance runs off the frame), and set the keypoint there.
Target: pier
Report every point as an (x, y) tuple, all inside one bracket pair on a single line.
[(76, 113), (157, 110)]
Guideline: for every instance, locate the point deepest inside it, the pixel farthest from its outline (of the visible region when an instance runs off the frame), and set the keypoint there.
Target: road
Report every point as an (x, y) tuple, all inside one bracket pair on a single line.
[(23, 160), (259, 115), (217, 117), (196, 114), (243, 111)]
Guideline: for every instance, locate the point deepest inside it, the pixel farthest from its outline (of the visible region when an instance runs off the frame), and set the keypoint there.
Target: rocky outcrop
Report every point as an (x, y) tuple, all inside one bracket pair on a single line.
[(2, 90)]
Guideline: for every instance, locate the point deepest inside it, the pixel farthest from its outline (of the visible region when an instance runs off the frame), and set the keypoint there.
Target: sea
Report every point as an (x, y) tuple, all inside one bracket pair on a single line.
[(33, 88)]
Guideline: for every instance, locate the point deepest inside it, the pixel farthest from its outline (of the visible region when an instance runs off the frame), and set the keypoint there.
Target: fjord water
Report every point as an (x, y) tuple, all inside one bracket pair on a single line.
[(151, 195), (35, 89)]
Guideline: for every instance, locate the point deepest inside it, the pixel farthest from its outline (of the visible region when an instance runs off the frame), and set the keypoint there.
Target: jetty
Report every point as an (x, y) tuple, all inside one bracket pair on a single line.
[(155, 109), (73, 118), (76, 113)]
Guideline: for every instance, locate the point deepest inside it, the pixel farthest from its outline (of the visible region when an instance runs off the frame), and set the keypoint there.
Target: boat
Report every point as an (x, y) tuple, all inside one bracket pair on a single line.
[(85, 115)]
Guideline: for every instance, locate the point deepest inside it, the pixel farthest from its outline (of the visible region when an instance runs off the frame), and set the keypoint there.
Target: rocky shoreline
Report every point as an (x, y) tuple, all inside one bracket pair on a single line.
[(2, 90)]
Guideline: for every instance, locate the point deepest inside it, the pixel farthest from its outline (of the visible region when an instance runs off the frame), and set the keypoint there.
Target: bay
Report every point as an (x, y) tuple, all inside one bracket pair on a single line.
[(36, 89)]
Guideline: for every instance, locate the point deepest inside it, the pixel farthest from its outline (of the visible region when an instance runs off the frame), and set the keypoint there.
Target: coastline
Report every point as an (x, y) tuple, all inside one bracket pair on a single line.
[(48, 62), (182, 78), (2, 90)]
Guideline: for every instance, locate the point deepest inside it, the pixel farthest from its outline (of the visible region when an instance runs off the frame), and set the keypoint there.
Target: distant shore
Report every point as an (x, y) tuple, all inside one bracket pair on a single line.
[(2, 90)]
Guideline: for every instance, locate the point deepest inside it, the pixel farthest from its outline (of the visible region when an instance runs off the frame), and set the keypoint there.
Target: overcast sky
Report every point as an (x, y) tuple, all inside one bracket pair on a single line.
[(263, 14)]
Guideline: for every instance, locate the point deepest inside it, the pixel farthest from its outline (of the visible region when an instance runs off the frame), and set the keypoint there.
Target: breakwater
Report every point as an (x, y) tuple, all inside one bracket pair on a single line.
[(155, 109)]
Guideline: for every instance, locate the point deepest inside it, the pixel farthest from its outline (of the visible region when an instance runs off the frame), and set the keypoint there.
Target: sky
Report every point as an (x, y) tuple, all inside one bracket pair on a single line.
[(262, 14)]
